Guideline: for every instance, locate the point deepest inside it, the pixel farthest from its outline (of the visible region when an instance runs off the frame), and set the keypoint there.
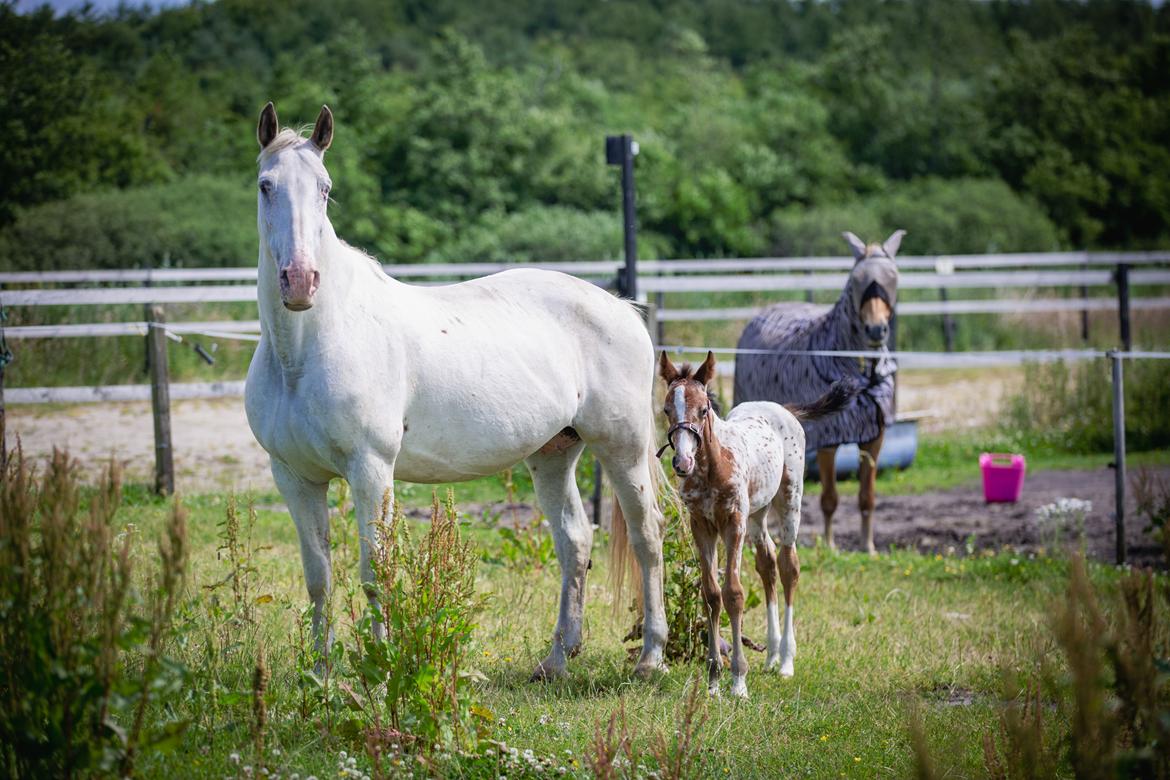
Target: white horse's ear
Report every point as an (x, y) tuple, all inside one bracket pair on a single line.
[(267, 127), (323, 130), (893, 243), (706, 371), (856, 244), (666, 369)]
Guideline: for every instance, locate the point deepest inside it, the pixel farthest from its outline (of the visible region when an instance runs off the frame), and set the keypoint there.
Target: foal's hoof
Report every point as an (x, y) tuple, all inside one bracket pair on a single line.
[(739, 689)]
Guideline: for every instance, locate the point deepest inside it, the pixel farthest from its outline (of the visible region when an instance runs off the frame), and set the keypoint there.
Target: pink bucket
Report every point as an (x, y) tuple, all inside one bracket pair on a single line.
[(1003, 477)]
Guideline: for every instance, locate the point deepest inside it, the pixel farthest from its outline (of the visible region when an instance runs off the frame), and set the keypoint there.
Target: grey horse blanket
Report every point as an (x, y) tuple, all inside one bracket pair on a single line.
[(788, 379)]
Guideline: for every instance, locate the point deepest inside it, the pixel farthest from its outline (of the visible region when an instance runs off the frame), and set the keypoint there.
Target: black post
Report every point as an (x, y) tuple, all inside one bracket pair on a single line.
[(948, 324), (1122, 277), (621, 150), (1119, 452)]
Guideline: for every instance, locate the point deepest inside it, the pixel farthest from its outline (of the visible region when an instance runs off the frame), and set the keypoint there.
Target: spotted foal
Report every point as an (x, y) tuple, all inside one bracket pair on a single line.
[(734, 472)]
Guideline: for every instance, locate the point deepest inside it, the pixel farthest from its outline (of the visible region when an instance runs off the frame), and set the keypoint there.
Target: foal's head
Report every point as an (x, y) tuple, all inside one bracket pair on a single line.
[(688, 409), (874, 283), (294, 191)]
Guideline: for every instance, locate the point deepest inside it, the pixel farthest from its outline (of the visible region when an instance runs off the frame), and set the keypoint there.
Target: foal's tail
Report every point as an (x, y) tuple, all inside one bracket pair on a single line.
[(834, 400), (620, 559)]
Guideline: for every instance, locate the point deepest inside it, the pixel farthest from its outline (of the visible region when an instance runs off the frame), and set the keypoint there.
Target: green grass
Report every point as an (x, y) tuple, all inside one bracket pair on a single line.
[(874, 633)]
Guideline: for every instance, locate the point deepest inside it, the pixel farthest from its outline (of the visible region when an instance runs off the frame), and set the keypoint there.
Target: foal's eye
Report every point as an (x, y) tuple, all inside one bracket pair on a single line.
[(703, 412)]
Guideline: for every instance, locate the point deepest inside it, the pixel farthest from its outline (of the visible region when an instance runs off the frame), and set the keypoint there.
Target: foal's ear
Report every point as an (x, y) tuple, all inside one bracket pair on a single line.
[(892, 243), (323, 131), (267, 127), (666, 369), (856, 244), (706, 371)]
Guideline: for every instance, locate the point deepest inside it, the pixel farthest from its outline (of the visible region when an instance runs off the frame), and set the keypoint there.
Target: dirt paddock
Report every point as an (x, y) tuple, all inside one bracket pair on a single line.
[(215, 451)]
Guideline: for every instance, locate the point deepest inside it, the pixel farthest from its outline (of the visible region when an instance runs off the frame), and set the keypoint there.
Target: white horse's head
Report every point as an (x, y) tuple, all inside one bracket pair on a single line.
[(874, 285), (293, 194)]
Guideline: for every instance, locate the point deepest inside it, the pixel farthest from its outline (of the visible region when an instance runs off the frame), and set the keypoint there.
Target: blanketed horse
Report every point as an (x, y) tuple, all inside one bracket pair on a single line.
[(736, 474), (362, 377), (859, 321)]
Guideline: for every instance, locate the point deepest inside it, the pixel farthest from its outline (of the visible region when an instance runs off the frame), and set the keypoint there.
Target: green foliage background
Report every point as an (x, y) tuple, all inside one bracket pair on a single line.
[(472, 131)]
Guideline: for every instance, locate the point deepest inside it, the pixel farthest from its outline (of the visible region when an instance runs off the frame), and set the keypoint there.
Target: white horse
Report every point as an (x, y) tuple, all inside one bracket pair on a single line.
[(362, 377)]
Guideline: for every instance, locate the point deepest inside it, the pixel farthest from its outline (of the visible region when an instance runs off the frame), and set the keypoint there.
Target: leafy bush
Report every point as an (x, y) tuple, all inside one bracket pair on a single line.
[(81, 637), (198, 221), (542, 233), (1070, 407)]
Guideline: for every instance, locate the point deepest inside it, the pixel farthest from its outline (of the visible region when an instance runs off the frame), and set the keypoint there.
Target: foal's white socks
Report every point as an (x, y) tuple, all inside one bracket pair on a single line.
[(781, 648)]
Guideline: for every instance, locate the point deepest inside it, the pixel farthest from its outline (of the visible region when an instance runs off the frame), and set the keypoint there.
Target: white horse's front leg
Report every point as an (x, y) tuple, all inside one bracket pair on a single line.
[(372, 481), (307, 503), (554, 477), (635, 494)]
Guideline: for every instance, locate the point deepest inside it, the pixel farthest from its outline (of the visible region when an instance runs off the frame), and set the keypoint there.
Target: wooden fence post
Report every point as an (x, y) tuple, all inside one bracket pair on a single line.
[(160, 398)]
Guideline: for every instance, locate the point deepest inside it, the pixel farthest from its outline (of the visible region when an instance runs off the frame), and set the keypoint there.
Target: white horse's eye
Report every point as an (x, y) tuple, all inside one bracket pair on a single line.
[(265, 186)]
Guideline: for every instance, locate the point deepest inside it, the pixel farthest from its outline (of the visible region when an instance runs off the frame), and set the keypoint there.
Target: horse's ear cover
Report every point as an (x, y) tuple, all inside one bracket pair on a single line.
[(268, 126), (855, 244), (893, 243)]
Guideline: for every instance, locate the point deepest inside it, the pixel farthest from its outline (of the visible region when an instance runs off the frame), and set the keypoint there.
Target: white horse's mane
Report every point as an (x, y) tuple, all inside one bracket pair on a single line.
[(284, 139)]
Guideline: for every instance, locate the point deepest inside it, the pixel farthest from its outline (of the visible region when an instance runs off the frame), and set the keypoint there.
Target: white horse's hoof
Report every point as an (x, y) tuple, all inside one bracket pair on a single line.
[(787, 669), (647, 669), (545, 671), (773, 662)]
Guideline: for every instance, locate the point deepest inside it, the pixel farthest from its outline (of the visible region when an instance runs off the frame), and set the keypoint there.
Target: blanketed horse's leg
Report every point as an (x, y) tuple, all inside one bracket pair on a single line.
[(734, 529), (827, 468), (867, 473), (554, 477), (635, 493), (310, 512), (372, 480)]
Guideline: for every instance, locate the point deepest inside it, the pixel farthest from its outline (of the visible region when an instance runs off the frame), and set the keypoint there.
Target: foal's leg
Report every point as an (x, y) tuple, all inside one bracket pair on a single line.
[(372, 480), (827, 468), (706, 545), (554, 477), (733, 534), (786, 505), (766, 568), (867, 473), (310, 512), (635, 493)]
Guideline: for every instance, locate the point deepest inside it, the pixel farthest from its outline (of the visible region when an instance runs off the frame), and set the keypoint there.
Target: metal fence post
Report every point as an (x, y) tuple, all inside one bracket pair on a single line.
[(621, 150), (1121, 275), (1119, 451), (160, 400)]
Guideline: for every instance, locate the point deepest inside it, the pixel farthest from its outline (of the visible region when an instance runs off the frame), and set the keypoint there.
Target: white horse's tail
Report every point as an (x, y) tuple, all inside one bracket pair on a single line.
[(620, 558)]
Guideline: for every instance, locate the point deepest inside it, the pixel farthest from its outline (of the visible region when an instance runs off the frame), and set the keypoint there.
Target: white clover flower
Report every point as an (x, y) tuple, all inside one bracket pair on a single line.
[(343, 755), (276, 752), (234, 758)]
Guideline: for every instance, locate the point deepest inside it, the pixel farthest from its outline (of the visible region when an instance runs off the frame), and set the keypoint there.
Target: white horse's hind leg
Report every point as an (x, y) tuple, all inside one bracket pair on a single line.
[(310, 513), (635, 492), (372, 480), (554, 478)]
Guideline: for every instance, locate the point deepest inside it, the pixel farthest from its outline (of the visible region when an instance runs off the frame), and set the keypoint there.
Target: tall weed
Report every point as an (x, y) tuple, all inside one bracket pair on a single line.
[(82, 636), (415, 689)]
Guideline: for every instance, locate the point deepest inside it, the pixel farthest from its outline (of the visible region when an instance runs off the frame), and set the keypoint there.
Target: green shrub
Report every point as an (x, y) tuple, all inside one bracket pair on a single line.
[(952, 217), (198, 221), (81, 637), (1071, 407)]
